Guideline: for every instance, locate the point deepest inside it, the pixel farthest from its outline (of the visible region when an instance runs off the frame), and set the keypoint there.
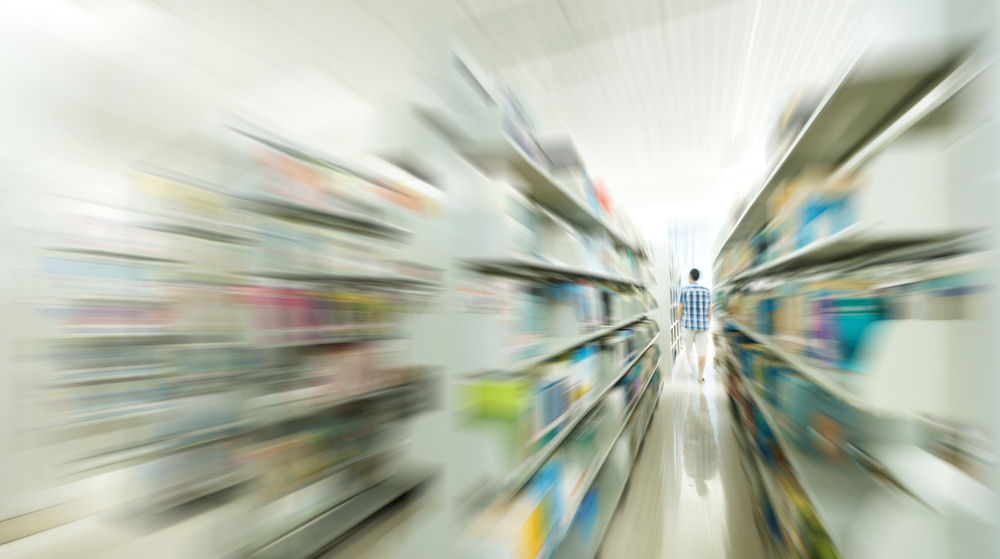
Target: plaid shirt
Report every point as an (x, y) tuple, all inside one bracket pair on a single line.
[(696, 300)]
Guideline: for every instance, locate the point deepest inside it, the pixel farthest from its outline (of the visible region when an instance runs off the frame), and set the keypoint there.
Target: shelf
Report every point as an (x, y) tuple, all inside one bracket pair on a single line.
[(617, 490), (323, 477), (649, 419), (161, 447), (106, 375), (331, 217), (162, 337), (845, 242), (955, 80), (575, 343), (348, 339), (593, 470), (270, 415), (856, 108), (546, 189), (532, 267), (771, 487), (347, 277), (114, 254), (318, 533), (854, 244), (191, 491), (940, 484), (903, 466), (836, 491), (523, 473), (120, 298), (277, 207), (198, 232), (905, 384), (843, 385), (130, 412)]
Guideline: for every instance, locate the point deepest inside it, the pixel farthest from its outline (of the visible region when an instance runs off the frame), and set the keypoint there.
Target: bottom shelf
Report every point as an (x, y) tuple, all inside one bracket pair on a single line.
[(311, 537), (830, 508), (594, 517)]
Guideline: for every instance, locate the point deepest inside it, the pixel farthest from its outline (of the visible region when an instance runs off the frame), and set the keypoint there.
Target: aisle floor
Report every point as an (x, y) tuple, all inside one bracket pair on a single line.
[(688, 495)]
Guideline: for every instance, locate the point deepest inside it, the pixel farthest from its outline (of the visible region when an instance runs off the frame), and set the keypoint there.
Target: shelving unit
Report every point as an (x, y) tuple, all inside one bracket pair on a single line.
[(901, 101), (359, 464), (585, 339), (550, 423), (838, 383), (559, 546), (836, 489), (181, 365), (838, 292), (672, 286), (546, 189), (523, 473)]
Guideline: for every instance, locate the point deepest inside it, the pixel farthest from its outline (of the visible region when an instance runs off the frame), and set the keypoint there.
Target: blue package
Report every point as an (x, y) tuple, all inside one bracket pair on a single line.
[(854, 316), (796, 398), (587, 516), (765, 315), (764, 437), (544, 488)]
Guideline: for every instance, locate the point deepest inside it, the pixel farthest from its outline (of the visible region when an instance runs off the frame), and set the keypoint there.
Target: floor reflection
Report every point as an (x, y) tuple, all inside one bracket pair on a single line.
[(688, 496), (700, 451)]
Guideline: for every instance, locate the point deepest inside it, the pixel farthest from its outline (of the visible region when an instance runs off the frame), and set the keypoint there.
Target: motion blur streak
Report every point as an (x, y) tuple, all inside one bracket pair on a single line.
[(359, 279)]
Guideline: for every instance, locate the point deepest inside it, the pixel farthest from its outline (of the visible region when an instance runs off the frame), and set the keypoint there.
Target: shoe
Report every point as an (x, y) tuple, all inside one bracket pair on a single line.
[(701, 381)]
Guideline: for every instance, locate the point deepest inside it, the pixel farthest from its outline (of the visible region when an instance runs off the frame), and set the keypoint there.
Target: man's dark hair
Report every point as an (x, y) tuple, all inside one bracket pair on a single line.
[(695, 274)]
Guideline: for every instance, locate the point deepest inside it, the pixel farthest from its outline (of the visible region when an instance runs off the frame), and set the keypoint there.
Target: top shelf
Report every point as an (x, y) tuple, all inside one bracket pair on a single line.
[(843, 494), (871, 103), (858, 244), (546, 189), (341, 219), (533, 267), (362, 220)]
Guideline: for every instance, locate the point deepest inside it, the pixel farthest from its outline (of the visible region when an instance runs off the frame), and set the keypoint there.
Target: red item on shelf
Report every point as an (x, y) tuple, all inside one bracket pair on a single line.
[(603, 197)]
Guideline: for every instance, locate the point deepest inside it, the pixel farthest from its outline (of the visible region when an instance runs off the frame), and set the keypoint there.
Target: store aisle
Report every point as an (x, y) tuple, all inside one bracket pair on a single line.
[(688, 496)]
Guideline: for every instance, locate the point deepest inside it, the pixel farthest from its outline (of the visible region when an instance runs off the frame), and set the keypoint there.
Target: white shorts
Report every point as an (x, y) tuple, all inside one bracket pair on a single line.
[(697, 339)]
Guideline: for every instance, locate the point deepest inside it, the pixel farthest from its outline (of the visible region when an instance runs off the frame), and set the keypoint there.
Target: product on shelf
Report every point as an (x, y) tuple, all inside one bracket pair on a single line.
[(791, 120), (562, 243), (193, 342), (829, 319), (561, 494), (522, 318)]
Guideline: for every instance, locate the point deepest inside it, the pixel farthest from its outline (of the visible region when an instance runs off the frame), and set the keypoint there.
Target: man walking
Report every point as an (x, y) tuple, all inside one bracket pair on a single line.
[(695, 308)]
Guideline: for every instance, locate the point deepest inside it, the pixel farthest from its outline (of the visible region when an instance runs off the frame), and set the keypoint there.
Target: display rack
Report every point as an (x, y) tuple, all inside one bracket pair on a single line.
[(240, 342), (672, 284), (848, 305), (890, 103), (546, 413)]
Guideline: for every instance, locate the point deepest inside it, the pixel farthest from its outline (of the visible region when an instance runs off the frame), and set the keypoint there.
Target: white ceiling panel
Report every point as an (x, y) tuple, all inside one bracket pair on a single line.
[(665, 97), (667, 100)]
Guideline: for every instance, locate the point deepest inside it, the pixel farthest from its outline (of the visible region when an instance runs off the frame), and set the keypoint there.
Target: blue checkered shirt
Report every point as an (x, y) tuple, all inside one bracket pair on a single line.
[(696, 300)]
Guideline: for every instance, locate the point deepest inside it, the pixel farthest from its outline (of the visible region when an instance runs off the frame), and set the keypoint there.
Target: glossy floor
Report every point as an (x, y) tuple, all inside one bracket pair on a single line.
[(688, 495)]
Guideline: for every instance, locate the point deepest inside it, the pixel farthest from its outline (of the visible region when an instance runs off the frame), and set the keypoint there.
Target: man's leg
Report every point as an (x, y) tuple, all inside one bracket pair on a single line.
[(687, 338), (701, 344)]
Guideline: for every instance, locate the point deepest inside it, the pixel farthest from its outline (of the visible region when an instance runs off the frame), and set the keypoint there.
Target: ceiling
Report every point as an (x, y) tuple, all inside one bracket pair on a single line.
[(668, 101)]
